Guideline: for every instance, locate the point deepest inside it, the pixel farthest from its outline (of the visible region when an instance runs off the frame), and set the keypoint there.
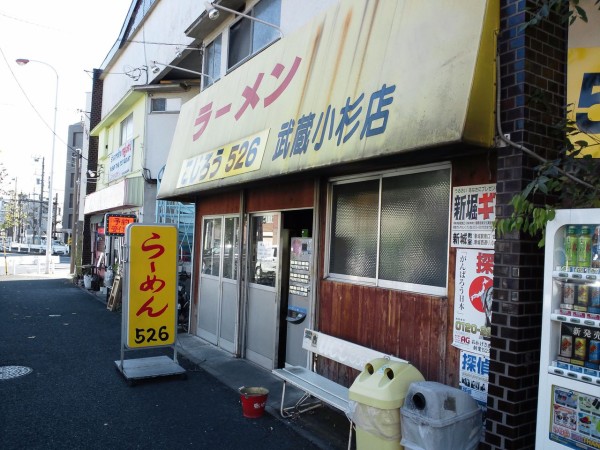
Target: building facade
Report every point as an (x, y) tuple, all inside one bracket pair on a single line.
[(135, 103), (346, 161), (72, 178)]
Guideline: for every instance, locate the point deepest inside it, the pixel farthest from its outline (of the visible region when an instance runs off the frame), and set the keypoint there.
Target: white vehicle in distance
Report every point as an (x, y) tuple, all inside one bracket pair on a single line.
[(58, 247)]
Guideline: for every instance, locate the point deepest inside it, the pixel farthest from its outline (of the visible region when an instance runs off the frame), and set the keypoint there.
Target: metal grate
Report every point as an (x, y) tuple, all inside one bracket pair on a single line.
[(8, 372)]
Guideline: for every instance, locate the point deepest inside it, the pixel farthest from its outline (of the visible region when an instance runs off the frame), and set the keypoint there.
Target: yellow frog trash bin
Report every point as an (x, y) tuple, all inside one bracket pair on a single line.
[(376, 397)]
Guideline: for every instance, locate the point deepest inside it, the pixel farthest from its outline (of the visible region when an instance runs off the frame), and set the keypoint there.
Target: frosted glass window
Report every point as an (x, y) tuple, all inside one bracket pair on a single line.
[(392, 230), (414, 228), (354, 229)]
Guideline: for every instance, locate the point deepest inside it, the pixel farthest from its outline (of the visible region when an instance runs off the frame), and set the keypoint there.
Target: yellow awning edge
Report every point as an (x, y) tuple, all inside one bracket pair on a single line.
[(363, 80)]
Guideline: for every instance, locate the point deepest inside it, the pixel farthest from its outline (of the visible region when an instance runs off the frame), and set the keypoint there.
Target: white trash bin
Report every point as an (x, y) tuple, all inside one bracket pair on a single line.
[(439, 417)]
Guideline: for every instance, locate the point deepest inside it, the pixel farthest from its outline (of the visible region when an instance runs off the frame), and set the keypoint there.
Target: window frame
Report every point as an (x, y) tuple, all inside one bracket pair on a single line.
[(223, 218), (206, 81), (225, 46), (377, 281), (172, 105), (125, 125)]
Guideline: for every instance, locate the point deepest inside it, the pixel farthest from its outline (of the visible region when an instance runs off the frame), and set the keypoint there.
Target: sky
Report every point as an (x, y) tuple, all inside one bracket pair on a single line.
[(72, 36)]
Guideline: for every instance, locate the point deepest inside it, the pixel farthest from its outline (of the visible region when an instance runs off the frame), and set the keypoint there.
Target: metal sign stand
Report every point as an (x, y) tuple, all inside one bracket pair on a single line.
[(154, 366), (149, 367)]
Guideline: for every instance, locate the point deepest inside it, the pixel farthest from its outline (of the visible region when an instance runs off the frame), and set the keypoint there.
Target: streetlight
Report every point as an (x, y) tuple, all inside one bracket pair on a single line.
[(22, 62)]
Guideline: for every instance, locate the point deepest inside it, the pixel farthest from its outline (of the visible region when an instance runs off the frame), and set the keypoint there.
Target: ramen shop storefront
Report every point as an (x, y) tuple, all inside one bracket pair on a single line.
[(307, 136)]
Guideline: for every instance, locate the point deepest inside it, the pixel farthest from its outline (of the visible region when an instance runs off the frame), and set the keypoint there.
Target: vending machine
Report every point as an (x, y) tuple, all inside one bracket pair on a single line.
[(299, 299), (569, 388)]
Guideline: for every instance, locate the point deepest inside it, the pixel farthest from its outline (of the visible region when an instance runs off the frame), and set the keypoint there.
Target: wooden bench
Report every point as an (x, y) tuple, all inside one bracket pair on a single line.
[(318, 387)]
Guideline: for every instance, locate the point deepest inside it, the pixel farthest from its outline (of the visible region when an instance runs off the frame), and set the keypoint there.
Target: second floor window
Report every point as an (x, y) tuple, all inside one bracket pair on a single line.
[(212, 61), (165, 104), (126, 129), (247, 37)]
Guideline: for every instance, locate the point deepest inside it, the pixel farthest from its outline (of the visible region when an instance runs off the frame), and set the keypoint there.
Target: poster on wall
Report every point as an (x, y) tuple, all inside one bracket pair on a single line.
[(473, 215), (121, 161), (575, 419), (473, 300), (473, 375)]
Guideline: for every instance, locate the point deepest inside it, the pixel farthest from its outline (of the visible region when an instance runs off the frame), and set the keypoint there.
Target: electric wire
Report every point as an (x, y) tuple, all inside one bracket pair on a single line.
[(69, 147), (28, 23)]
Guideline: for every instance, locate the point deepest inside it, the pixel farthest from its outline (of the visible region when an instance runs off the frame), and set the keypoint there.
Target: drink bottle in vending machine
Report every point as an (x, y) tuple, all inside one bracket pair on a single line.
[(569, 388)]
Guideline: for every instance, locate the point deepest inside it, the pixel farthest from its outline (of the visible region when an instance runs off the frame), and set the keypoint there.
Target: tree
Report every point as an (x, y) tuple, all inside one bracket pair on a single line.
[(572, 179)]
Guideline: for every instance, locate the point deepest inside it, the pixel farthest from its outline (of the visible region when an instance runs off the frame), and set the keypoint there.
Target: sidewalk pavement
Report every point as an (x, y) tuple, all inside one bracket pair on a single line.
[(325, 427)]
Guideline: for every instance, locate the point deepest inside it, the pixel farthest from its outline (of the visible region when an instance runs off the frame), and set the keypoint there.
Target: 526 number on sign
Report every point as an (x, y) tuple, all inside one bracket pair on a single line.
[(149, 335), (235, 158)]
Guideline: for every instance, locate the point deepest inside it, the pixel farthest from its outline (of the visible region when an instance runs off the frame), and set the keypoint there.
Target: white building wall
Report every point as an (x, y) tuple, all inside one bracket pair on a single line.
[(295, 13), (165, 24), (160, 128)]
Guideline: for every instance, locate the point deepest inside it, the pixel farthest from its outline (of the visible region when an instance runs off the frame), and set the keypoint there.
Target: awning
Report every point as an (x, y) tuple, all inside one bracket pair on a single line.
[(126, 193), (366, 79), (97, 218)]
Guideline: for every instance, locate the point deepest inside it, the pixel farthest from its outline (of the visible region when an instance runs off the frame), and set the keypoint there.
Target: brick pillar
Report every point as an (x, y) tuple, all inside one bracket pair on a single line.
[(92, 161), (532, 64)]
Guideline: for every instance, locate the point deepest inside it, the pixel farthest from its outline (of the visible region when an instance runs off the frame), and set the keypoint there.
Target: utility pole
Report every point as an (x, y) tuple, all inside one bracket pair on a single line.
[(16, 214), (54, 216), (41, 202), (75, 234), (38, 231)]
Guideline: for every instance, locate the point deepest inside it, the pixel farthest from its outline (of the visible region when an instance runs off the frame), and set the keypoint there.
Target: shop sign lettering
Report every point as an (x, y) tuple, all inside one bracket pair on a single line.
[(351, 118), (583, 95), (232, 159), (251, 98), (151, 300), (365, 115)]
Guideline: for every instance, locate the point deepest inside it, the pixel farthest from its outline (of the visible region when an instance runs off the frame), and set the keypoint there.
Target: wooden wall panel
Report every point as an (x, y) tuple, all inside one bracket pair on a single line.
[(225, 203), (415, 327), (403, 324), (281, 195)]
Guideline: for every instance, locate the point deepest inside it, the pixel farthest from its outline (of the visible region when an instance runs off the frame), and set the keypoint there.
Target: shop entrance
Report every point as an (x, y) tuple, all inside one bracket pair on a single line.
[(262, 290), (218, 293), (279, 289)]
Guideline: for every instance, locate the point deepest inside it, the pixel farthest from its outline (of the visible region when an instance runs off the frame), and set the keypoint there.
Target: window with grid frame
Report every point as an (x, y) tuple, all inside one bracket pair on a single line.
[(391, 229), (247, 37)]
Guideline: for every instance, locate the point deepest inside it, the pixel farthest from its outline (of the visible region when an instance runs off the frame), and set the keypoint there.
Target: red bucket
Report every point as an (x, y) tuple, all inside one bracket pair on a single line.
[(254, 400)]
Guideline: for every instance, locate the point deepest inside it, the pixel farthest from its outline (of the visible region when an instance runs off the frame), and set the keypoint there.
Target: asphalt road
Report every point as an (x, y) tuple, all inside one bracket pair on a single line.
[(75, 398)]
